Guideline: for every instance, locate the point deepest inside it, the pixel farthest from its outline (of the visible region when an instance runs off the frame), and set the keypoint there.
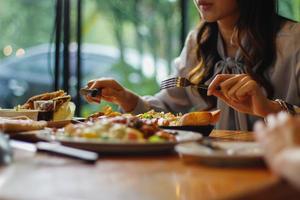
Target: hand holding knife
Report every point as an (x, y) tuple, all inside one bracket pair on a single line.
[(91, 92)]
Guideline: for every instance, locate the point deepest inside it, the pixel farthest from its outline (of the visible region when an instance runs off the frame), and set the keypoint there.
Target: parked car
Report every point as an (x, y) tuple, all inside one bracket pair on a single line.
[(31, 74)]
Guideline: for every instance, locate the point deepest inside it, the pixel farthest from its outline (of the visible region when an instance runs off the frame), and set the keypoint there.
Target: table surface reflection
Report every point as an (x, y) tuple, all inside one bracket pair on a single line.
[(41, 176)]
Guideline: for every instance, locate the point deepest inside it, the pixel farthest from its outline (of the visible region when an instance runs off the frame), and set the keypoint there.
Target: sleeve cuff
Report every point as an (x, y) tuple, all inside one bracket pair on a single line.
[(141, 107)]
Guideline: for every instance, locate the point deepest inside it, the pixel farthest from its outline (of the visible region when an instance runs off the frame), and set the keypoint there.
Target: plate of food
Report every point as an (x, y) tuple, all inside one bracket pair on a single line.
[(119, 135), (50, 106), (221, 153), (200, 122)]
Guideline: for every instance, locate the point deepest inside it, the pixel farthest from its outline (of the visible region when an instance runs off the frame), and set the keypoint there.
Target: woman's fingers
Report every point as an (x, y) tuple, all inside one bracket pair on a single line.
[(232, 91), (230, 85), (247, 89), (113, 92), (215, 84), (110, 90), (91, 82), (91, 99), (112, 95), (104, 83), (227, 82), (240, 92)]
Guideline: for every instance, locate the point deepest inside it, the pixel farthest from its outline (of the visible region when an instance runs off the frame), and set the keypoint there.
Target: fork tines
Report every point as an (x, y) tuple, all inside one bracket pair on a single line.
[(180, 82), (171, 82)]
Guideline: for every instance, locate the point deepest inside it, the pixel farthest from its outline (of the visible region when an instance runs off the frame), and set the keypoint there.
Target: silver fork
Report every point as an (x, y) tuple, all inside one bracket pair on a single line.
[(180, 82)]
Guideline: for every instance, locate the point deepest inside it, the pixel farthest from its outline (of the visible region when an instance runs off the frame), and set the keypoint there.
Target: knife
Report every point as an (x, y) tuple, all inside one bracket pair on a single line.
[(56, 148), (92, 92)]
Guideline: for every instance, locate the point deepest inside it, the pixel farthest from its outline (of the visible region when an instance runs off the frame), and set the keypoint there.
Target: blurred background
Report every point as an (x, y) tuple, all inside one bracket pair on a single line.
[(133, 41)]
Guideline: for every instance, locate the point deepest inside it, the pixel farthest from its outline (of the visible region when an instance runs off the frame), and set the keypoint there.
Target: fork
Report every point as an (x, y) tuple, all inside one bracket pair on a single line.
[(180, 82)]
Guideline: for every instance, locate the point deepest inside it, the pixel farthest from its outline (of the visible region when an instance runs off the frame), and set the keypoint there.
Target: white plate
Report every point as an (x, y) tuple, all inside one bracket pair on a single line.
[(121, 147), (232, 153)]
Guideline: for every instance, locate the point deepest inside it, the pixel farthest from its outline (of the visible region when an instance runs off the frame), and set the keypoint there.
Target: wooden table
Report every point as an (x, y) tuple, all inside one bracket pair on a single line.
[(41, 176)]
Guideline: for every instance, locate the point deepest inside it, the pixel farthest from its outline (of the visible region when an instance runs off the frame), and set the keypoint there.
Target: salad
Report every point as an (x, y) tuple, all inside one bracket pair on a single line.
[(118, 128)]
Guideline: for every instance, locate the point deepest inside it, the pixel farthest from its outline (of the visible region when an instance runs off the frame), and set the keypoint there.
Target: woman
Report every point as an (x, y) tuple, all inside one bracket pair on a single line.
[(280, 139), (242, 47)]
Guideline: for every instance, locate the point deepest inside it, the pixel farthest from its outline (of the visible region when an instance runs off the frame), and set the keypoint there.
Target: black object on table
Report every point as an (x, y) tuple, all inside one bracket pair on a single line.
[(5, 150), (203, 130)]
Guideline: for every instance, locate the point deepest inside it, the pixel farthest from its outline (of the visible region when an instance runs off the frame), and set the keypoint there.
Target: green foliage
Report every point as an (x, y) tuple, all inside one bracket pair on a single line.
[(149, 26), (146, 25), (290, 9), (25, 23)]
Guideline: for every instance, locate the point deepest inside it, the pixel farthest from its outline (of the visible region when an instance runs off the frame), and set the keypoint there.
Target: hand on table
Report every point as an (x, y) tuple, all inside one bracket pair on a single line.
[(243, 94)]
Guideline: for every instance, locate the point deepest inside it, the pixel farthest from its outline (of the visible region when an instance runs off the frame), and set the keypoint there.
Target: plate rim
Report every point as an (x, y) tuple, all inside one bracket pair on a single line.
[(82, 141), (219, 155)]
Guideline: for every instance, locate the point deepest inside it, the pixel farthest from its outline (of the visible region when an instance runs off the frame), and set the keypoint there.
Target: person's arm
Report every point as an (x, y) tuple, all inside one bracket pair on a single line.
[(280, 140), (173, 99), (290, 44)]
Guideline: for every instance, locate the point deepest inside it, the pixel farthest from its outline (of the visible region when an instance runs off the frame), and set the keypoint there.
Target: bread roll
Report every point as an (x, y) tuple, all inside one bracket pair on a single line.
[(199, 118), (13, 125), (215, 116)]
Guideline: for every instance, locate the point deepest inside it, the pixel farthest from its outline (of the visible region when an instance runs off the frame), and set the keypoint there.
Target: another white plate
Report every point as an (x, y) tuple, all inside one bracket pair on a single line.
[(232, 153), (121, 147)]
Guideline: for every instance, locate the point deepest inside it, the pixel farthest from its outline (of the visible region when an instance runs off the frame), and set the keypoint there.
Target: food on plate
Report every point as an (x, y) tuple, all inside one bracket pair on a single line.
[(60, 97), (199, 118), (118, 128), (166, 119), (107, 112), (65, 112), (215, 116), (63, 108), (10, 125), (160, 118), (190, 119)]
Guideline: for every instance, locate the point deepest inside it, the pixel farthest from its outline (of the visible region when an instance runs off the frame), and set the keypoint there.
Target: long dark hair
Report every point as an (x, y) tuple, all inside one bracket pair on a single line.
[(259, 23)]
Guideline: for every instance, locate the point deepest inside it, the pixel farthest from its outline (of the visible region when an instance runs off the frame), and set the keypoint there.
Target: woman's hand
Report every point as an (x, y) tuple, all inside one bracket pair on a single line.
[(243, 94), (112, 91), (280, 140)]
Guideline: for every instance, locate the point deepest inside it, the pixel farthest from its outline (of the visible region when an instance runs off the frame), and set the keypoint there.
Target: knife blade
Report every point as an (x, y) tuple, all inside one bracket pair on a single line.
[(56, 148)]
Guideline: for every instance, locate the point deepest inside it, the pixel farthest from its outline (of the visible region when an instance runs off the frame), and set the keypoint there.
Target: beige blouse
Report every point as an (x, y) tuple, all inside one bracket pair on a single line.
[(284, 76)]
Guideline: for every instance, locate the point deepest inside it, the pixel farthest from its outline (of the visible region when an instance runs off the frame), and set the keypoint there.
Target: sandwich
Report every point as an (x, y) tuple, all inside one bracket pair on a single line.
[(64, 109)]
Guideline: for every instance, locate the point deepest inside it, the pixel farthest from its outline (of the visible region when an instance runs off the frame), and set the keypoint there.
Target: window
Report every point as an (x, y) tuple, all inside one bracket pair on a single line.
[(26, 27), (140, 38), (133, 41)]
